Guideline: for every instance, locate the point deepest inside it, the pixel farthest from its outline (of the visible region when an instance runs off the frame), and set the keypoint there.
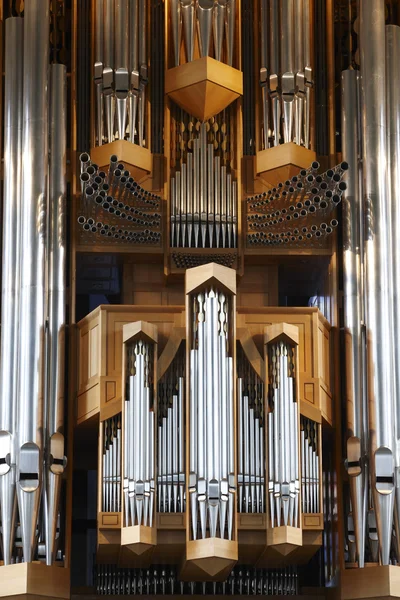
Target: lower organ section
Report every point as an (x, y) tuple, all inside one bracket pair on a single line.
[(210, 440)]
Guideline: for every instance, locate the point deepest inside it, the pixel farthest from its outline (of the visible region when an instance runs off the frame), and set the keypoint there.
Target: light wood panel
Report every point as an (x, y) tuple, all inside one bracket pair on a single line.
[(137, 159), (279, 163), (34, 579)]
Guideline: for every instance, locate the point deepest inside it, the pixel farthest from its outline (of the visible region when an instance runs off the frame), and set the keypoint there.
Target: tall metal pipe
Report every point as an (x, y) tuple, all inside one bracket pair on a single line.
[(56, 304), (356, 406), (33, 231), (377, 261), (393, 157), (10, 278)]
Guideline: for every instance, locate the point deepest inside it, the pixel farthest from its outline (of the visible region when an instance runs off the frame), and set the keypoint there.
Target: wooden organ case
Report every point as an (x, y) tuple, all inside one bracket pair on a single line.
[(197, 420)]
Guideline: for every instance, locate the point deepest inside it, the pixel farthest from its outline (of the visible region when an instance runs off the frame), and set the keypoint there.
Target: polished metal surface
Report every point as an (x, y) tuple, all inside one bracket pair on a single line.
[(33, 275), (11, 257), (377, 261)]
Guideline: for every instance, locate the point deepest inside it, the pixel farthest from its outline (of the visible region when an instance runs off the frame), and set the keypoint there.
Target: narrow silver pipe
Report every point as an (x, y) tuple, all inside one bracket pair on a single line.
[(57, 297), (33, 232), (356, 405), (298, 18), (264, 70), (204, 24), (307, 70), (218, 27), (377, 261), (108, 70), (188, 9), (274, 83), (11, 257), (189, 195), (287, 67), (98, 68), (393, 157), (210, 187), (184, 200), (133, 67), (176, 23), (121, 64), (230, 30)]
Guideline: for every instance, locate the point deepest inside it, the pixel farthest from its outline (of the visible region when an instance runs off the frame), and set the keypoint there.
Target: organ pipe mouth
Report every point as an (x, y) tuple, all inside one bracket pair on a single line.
[(344, 165), (334, 223), (315, 165), (342, 186), (81, 220), (89, 191)]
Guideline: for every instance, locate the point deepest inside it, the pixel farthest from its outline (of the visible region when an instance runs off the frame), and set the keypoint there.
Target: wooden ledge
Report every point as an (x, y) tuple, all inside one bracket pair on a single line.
[(276, 165), (372, 582), (211, 559), (204, 87), (34, 581), (136, 159)]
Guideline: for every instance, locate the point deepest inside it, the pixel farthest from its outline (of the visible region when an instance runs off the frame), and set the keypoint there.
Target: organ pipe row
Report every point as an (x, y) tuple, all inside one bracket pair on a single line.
[(310, 466), (370, 124), (204, 198), (212, 448), (283, 436), (139, 455), (32, 457), (120, 70), (284, 215), (251, 441), (171, 487), (213, 20), (111, 465), (286, 73), (163, 580), (115, 206)]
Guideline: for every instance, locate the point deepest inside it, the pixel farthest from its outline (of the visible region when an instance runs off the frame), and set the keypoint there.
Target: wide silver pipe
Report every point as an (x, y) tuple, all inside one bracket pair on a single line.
[(11, 257), (176, 22), (56, 302), (377, 261), (204, 23), (33, 233), (218, 27), (356, 406), (188, 8), (393, 157)]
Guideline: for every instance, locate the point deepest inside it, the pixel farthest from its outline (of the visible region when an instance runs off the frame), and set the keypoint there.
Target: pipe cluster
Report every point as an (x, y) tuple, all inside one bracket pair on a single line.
[(186, 261), (33, 299), (211, 452), (120, 70), (371, 276), (163, 580), (282, 215), (111, 465), (310, 466), (135, 213), (251, 442), (203, 200), (139, 436), (283, 436), (286, 76), (171, 435), (213, 20)]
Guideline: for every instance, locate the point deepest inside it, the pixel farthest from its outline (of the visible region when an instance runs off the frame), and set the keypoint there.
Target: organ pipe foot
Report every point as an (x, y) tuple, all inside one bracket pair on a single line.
[(8, 510)]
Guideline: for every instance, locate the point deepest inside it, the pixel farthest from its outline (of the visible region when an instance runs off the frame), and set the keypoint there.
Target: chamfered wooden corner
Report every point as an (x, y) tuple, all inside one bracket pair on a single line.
[(137, 545), (371, 582), (210, 559), (136, 159), (204, 87), (285, 331), (210, 274), (277, 164), (284, 539), (34, 580), (139, 329)]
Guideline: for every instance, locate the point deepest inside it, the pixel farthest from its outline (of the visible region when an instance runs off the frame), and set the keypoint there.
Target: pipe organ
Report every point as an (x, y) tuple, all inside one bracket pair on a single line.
[(199, 365)]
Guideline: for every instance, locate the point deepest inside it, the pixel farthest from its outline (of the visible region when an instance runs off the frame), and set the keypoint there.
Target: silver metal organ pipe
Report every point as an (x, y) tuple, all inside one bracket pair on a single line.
[(98, 68), (13, 95), (56, 302), (176, 21), (357, 410), (33, 232), (218, 27), (204, 23), (230, 30), (393, 157), (377, 260), (121, 63), (108, 71), (188, 9), (287, 67)]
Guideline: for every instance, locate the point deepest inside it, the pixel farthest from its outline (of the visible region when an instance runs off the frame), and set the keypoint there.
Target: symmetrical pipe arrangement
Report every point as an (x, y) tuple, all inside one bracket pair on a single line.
[(251, 440), (286, 75), (310, 466), (371, 281), (204, 200), (33, 287), (120, 70), (171, 478), (284, 214), (214, 21), (111, 465), (115, 206), (139, 455), (163, 580), (211, 453), (283, 436)]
